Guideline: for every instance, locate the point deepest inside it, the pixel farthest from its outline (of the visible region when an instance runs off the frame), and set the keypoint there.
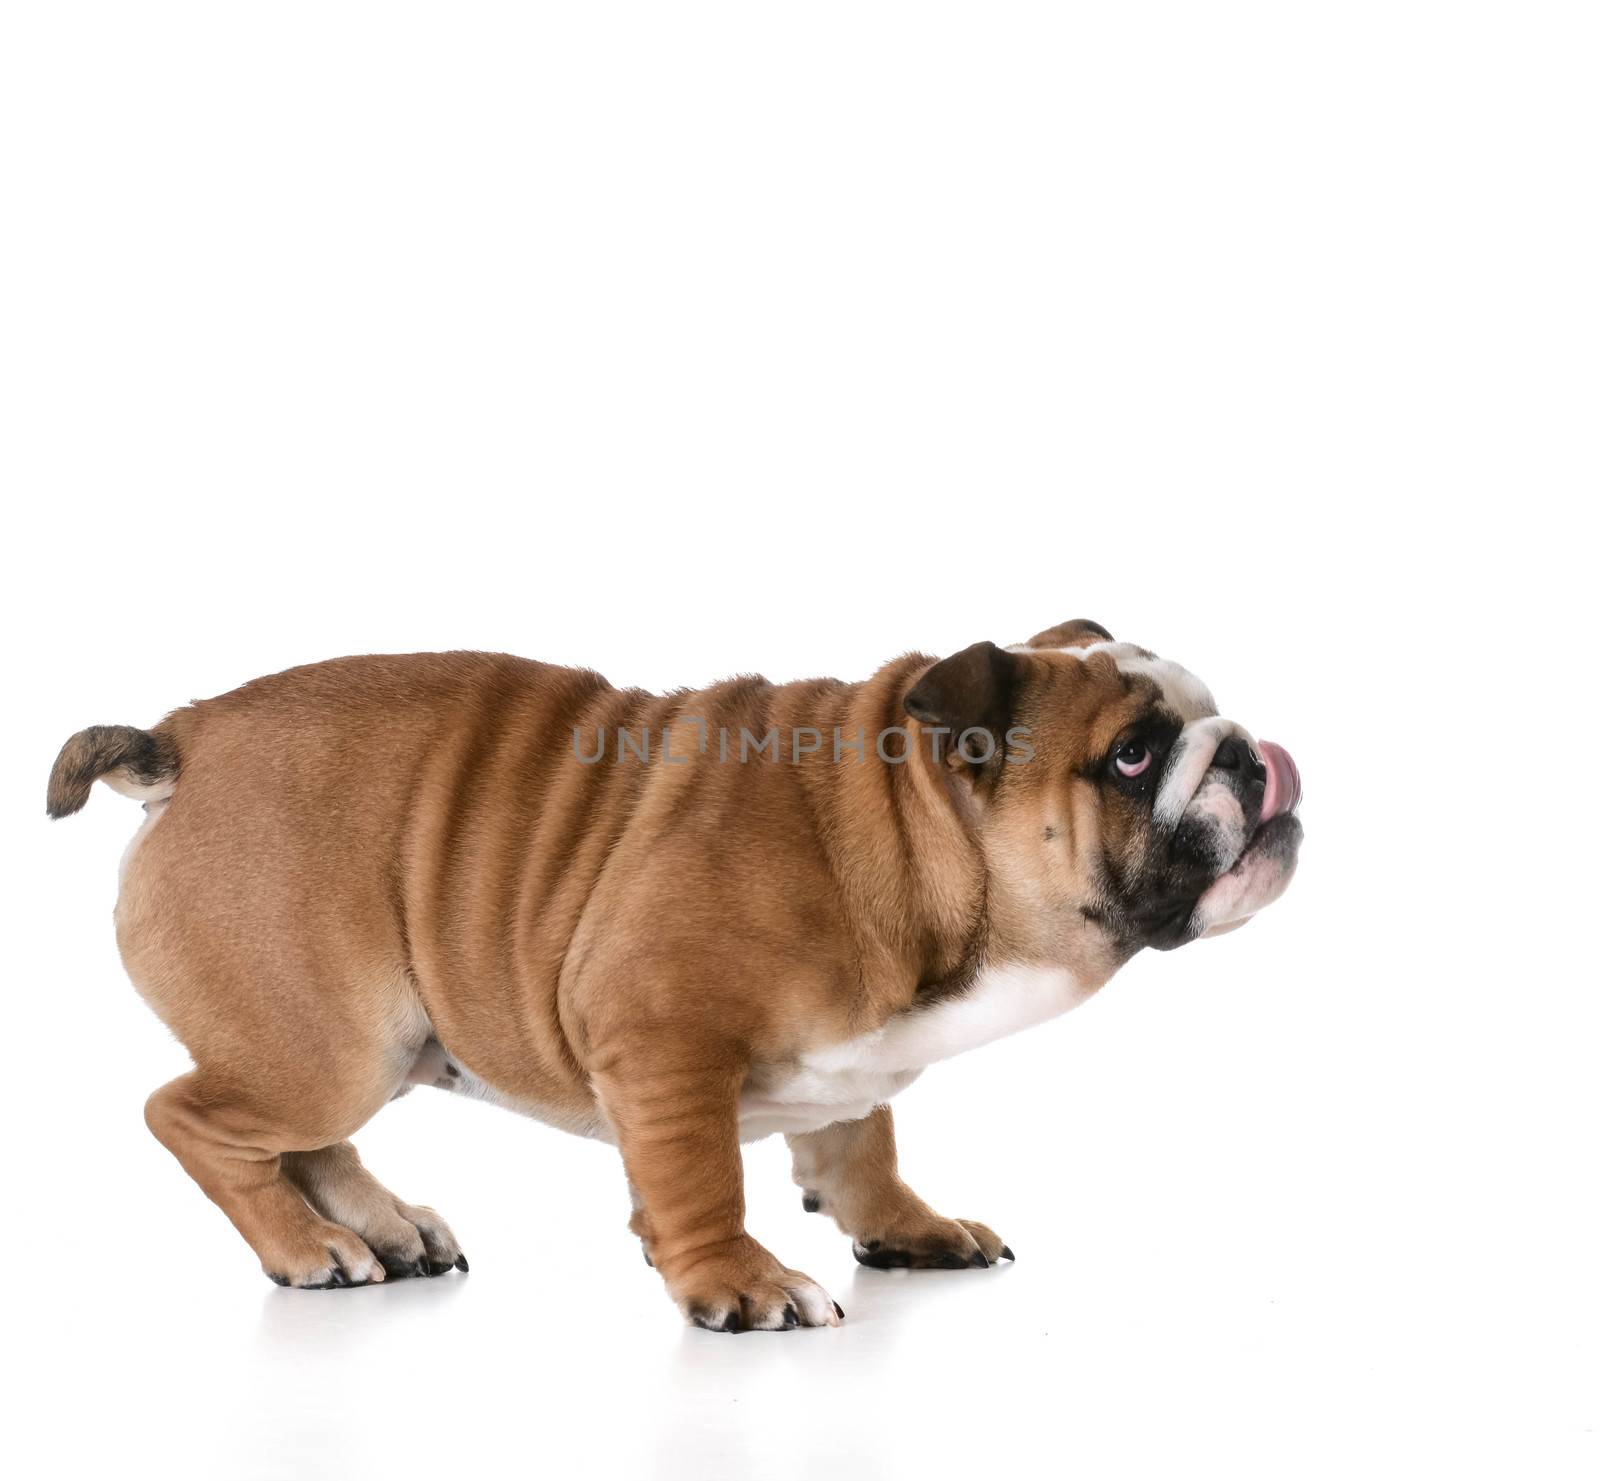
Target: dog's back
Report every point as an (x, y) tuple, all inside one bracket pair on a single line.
[(265, 897)]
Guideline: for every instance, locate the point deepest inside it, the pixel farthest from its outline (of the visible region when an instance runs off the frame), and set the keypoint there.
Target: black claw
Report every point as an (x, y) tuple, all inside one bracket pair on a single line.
[(461, 1264), (1005, 1253), (838, 1311), (791, 1317), (811, 1202), (338, 1278), (647, 1260), (732, 1322), (979, 1259)]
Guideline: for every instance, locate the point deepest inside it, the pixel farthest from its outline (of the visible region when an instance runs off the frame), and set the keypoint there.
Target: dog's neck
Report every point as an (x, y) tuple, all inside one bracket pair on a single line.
[(906, 843)]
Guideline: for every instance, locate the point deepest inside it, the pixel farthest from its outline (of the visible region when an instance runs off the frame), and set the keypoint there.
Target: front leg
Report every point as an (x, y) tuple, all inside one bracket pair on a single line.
[(676, 1116), (848, 1170)]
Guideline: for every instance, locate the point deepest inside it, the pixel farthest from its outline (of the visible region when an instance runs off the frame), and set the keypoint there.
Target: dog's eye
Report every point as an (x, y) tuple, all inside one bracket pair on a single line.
[(1132, 757)]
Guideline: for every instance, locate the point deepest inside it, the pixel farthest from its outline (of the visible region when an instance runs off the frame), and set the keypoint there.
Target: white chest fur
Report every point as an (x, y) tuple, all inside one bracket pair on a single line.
[(844, 1082)]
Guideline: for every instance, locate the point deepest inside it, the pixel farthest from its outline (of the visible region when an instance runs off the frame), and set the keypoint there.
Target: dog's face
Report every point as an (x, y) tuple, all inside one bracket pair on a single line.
[(1140, 815)]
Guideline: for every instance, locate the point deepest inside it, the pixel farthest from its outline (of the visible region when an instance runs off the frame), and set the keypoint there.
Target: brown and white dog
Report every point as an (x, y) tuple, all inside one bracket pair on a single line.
[(671, 922)]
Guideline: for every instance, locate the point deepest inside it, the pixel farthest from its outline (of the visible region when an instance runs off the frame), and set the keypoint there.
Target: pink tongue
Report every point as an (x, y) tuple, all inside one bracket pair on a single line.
[(1283, 781)]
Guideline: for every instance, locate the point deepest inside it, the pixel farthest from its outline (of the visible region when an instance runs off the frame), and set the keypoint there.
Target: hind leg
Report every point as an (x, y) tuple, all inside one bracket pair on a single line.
[(407, 1239), (233, 1147)]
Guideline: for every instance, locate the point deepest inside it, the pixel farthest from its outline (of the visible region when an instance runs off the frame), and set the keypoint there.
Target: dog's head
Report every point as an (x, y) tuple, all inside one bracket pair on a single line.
[(1114, 794)]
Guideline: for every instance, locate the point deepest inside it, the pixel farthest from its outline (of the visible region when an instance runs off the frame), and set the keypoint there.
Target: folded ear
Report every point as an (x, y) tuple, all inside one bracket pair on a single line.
[(1078, 633), (970, 690)]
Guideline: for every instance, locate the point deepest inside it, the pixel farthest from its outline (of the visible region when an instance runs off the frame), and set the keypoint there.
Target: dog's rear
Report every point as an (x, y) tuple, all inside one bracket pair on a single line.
[(257, 918), (142, 764)]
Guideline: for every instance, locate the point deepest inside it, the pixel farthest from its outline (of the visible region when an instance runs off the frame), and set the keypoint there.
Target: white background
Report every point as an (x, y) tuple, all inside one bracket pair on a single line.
[(680, 340)]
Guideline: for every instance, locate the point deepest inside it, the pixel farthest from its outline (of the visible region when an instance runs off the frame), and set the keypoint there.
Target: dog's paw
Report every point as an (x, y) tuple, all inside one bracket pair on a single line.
[(416, 1242), (746, 1290), (333, 1257), (793, 1300), (406, 1238), (935, 1244)]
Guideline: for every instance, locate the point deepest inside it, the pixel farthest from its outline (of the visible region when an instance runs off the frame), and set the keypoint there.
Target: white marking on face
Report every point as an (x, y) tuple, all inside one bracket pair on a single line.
[(1218, 806), (1189, 699), (1183, 693), (1191, 758), (844, 1082)]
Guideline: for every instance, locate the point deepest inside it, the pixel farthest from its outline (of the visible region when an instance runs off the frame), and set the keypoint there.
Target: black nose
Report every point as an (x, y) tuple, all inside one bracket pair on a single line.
[(1234, 754)]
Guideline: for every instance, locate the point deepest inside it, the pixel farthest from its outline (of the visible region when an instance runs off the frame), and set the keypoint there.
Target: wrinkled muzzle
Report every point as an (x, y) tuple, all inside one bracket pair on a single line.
[(1230, 801)]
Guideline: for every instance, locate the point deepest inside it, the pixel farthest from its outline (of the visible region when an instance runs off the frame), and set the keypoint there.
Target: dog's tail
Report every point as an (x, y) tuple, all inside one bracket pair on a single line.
[(138, 763)]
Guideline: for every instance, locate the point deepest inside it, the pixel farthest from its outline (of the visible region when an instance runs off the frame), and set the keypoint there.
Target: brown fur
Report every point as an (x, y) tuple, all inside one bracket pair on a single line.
[(850, 1172), (146, 758), (361, 854), (1078, 633)]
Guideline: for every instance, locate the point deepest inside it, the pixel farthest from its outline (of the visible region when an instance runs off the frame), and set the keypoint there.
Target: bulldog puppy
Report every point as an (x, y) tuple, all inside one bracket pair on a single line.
[(670, 922)]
